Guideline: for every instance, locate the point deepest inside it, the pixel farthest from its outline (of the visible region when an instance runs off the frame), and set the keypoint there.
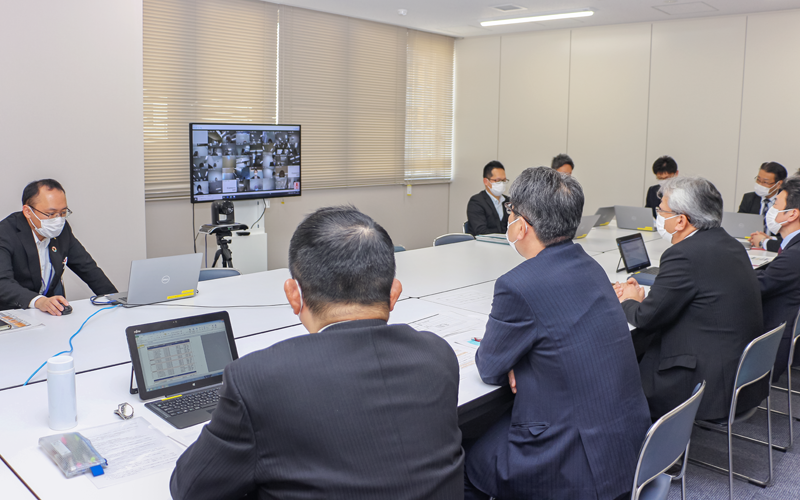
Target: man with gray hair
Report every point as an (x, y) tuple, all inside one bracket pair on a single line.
[(703, 308), (558, 337)]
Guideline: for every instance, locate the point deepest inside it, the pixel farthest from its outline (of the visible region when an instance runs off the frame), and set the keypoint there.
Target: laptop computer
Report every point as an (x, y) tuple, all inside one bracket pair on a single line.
[(586, 225), (161, 279), (638, 218), (180, 361), (606, 215), (742, 225), (635, 258)]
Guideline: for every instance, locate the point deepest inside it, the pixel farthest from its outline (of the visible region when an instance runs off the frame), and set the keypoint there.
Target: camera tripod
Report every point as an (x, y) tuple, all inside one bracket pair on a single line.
[(224, 251)]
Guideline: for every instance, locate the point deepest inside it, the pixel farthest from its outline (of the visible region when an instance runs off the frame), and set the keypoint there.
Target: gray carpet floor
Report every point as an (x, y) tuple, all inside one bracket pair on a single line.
[(748, 458)]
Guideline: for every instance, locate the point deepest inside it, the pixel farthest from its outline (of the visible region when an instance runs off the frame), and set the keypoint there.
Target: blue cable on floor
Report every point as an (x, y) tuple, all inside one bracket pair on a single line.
[(70, 342)]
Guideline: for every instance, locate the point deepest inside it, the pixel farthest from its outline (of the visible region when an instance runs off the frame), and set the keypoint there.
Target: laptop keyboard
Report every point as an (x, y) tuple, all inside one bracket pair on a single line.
[(189, 402)]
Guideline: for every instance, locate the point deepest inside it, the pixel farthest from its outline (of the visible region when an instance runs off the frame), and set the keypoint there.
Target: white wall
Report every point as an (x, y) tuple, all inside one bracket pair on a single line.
[(71, 109), (717, 94)]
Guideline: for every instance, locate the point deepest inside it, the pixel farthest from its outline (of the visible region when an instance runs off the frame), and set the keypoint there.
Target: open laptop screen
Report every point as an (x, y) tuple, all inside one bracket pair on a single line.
[(634, 253)]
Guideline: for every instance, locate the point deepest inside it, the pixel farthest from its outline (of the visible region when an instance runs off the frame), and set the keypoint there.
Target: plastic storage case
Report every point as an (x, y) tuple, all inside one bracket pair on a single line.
[(73, 453)]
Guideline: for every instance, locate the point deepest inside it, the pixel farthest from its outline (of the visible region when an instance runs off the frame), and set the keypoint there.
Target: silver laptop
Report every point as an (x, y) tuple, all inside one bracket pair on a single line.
[(638, 218), (586, 225), (161, 279), (606, 215), (741, 225)]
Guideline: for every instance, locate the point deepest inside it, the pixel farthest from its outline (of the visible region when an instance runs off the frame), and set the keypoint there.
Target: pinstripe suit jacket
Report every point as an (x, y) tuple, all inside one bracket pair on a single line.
[(360, 411), (580, 416)]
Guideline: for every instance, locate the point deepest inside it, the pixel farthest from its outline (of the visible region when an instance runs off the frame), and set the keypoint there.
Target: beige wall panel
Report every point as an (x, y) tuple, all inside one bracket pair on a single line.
[(477, 78), (71, 109), (771, 101), (534, 90), (412, 221), (695, 97), (609, 83)]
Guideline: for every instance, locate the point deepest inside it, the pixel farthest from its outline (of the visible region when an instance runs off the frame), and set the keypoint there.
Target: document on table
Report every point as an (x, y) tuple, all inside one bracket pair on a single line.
[(475, 298), (448, 324), (760, 257), (133, 449)]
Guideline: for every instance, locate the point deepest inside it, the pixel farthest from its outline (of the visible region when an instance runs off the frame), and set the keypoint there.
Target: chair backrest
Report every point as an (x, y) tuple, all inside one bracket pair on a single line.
[(758, 357), (466, 227), (399, 248), (796, 332), (667, 439), (447, 239), (214, 273)]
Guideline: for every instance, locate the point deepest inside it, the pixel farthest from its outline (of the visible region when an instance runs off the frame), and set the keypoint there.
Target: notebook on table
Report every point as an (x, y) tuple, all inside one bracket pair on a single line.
[(638, 218), (635, 258), (179, 363), (742, 225), (586, 225), (606, 215)]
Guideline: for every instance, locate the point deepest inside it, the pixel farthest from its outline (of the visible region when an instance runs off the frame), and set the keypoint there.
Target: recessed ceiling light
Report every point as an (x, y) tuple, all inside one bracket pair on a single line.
[(552, 17)]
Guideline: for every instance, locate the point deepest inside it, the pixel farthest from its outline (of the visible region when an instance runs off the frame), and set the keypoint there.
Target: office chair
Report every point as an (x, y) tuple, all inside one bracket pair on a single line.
[(447, 239), (788, 389), (214, 273), (666, 441), (399, 248), (466, 227), (756, 363)]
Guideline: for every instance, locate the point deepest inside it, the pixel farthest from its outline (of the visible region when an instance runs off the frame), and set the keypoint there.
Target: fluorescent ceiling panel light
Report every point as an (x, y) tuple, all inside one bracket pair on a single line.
[(534, 19)]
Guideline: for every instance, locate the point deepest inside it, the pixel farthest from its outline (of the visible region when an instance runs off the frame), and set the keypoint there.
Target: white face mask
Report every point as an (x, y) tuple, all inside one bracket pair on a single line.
[(761, 190), (498, 188), (513, 243), (774, 227), (660, 220), (300, 290), (50, 227)]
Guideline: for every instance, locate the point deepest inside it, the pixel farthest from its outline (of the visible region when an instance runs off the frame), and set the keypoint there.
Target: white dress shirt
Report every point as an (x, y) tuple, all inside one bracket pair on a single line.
[(498, 204)]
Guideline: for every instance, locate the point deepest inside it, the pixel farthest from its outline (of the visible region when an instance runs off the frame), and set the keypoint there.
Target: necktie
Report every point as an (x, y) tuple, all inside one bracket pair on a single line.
[(764, 211), (780, 250)]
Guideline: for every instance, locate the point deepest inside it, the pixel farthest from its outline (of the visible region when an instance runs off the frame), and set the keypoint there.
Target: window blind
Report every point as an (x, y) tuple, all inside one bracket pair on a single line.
[(429, 108), (344, 81), (204, 61)]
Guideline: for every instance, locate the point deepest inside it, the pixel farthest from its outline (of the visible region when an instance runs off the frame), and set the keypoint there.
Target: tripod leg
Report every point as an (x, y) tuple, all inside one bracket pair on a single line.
[(216, 258)]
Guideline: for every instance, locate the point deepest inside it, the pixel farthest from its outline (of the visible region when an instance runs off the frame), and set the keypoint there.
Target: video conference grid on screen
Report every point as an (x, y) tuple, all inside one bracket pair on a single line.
[(230, 162)]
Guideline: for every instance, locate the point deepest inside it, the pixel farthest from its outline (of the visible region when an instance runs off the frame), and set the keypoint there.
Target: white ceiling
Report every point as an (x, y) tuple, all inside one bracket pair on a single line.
[(461, 18)]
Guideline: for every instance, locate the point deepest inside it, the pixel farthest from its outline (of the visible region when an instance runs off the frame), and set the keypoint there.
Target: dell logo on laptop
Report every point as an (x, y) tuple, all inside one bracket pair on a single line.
[(165, 280)]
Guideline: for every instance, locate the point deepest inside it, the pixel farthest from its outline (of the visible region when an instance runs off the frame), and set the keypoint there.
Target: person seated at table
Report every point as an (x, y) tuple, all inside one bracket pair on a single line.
[(35, 246), (563, 163), (664, 168), (702, 310), (485, 213), (768, 182), (557, 336), (780, 281), (358, 409)]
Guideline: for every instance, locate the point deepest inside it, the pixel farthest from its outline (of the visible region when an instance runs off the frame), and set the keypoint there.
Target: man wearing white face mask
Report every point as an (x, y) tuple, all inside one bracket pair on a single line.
[(557, 336), (780, 281), (703, 307), (485, 212), (664, 168), (768, 182), (36, 244)]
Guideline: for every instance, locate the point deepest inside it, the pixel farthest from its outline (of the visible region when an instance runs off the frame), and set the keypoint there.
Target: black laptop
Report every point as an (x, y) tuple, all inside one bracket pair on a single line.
[(180, 362), (635, 258)]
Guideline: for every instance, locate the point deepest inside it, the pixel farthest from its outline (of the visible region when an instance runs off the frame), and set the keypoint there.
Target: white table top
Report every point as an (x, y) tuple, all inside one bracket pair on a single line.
[(102, 341), (11, 486), (604, 238)]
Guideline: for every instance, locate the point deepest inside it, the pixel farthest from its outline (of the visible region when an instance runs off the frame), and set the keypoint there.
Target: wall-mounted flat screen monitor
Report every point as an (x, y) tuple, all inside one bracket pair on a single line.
[(243, 161)]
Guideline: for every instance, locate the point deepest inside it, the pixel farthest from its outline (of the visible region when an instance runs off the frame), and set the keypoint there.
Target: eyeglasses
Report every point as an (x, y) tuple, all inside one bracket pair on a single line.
[(765, 183), (510, 211), (660, 211), (504, 181), (63, 214)]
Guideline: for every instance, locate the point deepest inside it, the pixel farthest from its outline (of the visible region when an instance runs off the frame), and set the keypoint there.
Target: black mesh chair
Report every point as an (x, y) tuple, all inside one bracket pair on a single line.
[(755, 364), (666, 442), (215, 273), (447, 239), (788, 389)]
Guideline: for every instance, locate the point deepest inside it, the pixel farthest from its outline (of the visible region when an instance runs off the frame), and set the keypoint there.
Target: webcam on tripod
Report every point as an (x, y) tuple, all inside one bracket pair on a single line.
[(222, 212)]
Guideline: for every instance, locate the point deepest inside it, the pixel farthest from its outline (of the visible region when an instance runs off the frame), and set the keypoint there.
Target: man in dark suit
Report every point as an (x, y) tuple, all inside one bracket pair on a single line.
[(768, 182), (485, 212), (780, 281), (359, 410), (664, 168), (702, 310), (556, 334), (35, 246)]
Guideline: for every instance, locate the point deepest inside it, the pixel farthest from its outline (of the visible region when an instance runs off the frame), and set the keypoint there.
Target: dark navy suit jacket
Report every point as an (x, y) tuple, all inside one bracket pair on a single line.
[(482, 216), (580, 415), (780, 297)]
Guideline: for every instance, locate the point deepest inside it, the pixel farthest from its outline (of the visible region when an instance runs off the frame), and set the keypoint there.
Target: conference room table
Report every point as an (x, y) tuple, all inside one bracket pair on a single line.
[(104, 365)]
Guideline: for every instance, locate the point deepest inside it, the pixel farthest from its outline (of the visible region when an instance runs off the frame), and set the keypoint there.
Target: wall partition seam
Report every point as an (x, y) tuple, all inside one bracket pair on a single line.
[(499, 93), (569, 91), (741, 113), (647, 119)]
